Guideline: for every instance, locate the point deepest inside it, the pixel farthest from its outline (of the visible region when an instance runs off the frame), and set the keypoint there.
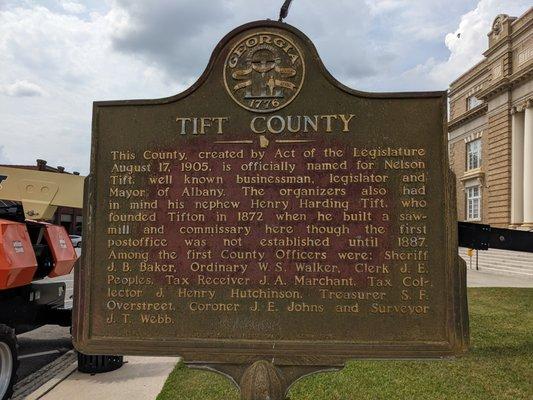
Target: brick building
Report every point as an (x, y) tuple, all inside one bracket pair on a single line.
[(69, 217), (490, 129)]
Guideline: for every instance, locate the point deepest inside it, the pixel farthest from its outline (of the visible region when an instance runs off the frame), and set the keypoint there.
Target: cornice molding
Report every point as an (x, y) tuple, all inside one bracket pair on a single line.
[(482, 65), (517, 27), (501, 43), (506, 82), (522, 74), (495, 89), (468, 116), (527, 24)]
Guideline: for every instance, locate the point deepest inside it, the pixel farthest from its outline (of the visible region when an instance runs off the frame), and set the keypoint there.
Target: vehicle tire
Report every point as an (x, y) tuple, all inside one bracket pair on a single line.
[(98, 364), (79, 244), (8, 361)]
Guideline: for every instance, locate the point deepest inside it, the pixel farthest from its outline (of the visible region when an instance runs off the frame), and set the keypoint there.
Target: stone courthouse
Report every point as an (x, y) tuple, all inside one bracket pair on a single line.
[(490, 129)]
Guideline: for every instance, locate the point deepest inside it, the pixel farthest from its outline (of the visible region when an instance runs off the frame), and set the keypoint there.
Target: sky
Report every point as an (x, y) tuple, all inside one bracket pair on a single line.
[(58, 56)]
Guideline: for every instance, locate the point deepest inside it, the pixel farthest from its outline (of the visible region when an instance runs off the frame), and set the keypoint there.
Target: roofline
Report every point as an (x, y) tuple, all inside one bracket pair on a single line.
[(513, 22), (468, 71), (530, 9), (460, 83)]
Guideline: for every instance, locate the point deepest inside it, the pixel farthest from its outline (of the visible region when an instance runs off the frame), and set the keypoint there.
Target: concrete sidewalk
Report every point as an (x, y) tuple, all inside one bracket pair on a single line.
[(141, 378), (483, 279)]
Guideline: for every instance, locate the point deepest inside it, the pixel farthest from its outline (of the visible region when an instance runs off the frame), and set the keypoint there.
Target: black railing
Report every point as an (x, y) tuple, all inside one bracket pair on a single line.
[(484, 237)]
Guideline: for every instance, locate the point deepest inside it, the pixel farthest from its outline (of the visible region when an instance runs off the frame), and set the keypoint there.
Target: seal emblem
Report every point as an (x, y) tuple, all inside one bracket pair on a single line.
[(264, 72)]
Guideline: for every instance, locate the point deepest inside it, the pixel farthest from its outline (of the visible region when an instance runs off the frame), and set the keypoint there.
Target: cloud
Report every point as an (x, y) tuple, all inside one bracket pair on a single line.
[(72, 7), (378, 7), (178, 36), (69, 54), (3, 157), (423, 20), (468, 41), (72, 58), (22, 89)]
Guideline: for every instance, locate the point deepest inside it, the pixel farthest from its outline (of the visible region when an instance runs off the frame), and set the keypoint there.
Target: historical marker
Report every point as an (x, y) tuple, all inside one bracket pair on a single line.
[(271, 213)]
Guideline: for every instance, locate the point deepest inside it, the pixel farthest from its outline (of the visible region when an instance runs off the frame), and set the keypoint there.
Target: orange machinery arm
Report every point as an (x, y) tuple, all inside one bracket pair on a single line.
[(41, 192)]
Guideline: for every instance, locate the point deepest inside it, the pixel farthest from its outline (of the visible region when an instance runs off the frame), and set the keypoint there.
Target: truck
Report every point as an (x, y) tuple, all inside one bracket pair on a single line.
[(31, 250)]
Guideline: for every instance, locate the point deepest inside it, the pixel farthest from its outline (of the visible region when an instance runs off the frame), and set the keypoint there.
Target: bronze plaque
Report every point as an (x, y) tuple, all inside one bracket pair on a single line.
[(269, 212)]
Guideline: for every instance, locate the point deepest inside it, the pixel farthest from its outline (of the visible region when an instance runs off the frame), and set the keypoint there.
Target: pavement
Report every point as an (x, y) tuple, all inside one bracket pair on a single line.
[(142, 378), (40, 347), (483, 279)]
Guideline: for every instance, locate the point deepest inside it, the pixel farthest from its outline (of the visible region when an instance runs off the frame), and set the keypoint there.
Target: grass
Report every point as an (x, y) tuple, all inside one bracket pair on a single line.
[(499, 365)]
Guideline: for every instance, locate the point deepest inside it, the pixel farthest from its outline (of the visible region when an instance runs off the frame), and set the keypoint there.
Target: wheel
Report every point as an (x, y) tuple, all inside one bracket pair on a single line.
[(8, 361), (79, 244)]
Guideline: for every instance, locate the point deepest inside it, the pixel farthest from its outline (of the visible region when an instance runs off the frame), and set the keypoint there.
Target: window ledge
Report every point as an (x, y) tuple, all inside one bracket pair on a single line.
[(473, 174)]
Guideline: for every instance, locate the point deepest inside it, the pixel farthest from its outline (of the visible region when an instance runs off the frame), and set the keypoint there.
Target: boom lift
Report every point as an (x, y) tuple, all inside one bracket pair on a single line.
[(30, 251)]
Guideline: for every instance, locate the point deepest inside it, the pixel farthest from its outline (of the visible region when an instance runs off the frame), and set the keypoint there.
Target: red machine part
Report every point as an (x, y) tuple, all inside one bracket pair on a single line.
[(61, 248), (17, 258)]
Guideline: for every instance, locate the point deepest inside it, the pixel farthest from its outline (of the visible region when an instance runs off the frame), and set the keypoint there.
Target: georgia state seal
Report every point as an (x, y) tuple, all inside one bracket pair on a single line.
[(264, 72)]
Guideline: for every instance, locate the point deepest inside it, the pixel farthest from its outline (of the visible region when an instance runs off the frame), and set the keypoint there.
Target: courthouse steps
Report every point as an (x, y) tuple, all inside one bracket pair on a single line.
[(502, 262)]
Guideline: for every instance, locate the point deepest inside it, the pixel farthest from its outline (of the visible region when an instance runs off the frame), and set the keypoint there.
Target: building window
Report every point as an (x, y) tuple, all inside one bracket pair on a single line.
[(473, 154), (472, 102), (473, 203)]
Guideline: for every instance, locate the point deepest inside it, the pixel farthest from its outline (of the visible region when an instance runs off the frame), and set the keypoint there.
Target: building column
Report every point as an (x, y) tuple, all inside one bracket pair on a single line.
[(517, 169), (528, 166)]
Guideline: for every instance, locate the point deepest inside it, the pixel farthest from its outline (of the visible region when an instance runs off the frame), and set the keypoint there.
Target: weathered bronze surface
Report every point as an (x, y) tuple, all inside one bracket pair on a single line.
[(271, 213)]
